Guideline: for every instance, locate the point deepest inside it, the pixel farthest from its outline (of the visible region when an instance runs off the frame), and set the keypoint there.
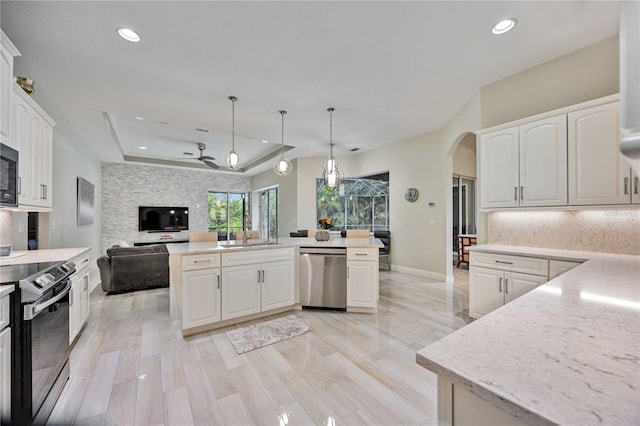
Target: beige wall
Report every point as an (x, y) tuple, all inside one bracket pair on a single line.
[(464, 159), (287, 198), (588, 73)]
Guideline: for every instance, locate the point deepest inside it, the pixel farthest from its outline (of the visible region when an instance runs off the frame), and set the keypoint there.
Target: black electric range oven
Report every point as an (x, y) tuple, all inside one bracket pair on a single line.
[(39, 309)]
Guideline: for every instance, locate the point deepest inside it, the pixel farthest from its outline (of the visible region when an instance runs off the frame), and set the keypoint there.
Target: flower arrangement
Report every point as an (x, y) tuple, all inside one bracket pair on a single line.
[(325, 223)]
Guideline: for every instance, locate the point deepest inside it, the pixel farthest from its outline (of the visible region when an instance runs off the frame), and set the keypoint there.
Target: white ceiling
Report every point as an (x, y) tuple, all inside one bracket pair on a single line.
[(391, 69)]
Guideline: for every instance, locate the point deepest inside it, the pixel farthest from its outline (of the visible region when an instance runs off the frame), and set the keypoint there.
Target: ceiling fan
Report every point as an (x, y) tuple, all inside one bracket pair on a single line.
[(206, 159)]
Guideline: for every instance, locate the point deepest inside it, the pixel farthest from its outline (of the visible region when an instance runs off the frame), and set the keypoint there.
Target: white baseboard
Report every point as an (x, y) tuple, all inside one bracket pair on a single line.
[(419, 272)]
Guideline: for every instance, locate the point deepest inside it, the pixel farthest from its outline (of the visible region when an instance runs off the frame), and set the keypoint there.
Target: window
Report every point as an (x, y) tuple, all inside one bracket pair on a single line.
[(227, 213), (269, 213), (360, 203)]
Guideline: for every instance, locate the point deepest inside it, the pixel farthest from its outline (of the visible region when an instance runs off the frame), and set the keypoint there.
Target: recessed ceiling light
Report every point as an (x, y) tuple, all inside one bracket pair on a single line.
[(129, 35), (264, 141), (142, 147), (139, 118), (504, 26)]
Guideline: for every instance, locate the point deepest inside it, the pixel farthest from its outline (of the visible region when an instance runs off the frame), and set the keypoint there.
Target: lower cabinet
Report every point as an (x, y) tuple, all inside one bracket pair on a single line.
[(240, 291), (362, 277), (277, 287), (201, 293), (79, 297), (233, 285), (5, 374), (491, 288), (496, 279)]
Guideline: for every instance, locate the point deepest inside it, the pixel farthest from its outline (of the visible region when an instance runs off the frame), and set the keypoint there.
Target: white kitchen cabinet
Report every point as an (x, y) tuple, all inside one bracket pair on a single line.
[(201, 283), (7, 52), (524, 165), (240, 290), (499, 168), (201, 296), (79, 302), (257, 281), (5, 360), (362, 277), (598, 173), (5, 373), (497, 279), (32, 131), (277, 286)]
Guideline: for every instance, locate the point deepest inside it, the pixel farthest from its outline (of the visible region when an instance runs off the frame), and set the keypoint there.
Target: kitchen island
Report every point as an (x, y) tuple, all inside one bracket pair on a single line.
[(567, 352), (216, 284)]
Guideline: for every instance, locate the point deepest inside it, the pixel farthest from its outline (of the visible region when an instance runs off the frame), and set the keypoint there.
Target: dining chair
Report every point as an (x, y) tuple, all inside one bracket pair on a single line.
[(464, 242), (251, 235), (357, 233), (199, 237)]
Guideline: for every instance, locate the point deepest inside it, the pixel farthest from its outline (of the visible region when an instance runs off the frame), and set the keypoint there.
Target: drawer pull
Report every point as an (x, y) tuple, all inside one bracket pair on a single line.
[(361, 254), (503, 262), (202, 261)]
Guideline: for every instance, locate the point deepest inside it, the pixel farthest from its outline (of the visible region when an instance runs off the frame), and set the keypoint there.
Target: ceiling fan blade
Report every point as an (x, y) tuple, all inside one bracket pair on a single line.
[(206, 157), (210, 164)]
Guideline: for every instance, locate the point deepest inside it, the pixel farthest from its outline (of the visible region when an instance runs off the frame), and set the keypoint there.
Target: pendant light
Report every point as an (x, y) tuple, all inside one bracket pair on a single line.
[(282, 166), (331, 173), (233, 159)]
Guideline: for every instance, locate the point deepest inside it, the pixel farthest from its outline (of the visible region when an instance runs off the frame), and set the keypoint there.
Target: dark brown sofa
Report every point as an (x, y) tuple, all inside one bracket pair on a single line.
[(134, 268)]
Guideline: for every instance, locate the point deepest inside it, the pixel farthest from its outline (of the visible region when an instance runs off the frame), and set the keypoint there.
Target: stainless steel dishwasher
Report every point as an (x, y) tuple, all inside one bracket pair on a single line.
[(322, 273)]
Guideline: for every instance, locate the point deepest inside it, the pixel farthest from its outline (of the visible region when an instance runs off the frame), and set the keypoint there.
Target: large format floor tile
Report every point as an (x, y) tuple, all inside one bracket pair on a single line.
[(131, 366)]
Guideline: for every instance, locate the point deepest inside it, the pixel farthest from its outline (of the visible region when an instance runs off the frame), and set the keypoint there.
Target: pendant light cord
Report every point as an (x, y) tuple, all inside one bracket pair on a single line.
[(331, 131), (233, 100), (282, 112)]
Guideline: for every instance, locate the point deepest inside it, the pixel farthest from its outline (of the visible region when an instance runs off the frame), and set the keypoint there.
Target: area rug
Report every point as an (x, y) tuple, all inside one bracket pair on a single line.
[(255, 336)]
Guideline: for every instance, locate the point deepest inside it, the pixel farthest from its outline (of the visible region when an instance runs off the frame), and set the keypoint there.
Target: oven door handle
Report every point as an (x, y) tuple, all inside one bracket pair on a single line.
[(31, 311)]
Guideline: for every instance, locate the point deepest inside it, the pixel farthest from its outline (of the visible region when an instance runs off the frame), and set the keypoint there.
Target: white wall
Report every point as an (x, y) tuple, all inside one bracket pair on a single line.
[(464, 159)]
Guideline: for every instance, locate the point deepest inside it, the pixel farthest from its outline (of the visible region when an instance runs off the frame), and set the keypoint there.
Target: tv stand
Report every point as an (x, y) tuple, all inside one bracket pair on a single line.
[(159, 241)]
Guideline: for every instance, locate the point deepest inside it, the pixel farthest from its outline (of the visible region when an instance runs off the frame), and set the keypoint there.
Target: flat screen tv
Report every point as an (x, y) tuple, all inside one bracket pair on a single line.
[(163, 219)]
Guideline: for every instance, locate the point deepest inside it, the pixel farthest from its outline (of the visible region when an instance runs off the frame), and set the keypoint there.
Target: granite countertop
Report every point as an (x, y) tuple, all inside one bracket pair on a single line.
[(567, 352), (43, 255), (224, 246)]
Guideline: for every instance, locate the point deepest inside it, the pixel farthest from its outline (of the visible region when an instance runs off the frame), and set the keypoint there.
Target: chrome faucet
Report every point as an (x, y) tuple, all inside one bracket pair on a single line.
[(247, 220)]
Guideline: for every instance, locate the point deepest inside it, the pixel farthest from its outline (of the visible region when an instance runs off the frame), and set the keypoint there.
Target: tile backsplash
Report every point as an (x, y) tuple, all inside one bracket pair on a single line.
[(610, 231)]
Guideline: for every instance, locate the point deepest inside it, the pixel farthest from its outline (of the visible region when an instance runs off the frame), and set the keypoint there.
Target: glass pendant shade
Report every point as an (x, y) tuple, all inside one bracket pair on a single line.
[(282, 166), (233, 159), (331, 173)]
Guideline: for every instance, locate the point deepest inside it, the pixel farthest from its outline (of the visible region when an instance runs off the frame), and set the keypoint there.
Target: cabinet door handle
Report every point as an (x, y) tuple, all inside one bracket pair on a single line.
[(42, 192), (262, 279), (635, 185), (218, 282), (259, 275), (626, 186), (19, 185), (71, 298), (515, 193), (506, 285), (46, 192), (522, 192), (500, 284), (348, 270)]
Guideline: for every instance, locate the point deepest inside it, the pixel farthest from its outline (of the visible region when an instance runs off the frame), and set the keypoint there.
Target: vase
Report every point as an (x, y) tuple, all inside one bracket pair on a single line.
[(322, 235)]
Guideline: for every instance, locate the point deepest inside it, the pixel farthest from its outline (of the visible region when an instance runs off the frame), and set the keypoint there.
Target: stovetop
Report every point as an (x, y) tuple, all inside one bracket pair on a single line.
[(10, 274)]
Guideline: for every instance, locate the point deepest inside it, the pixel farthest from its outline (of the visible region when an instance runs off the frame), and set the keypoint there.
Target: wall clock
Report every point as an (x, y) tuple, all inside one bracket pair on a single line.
[(411, 195)]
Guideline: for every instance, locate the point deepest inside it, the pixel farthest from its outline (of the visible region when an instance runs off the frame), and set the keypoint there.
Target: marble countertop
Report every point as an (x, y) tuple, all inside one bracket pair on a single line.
[(224, 246), (567, 352), (43, 255)]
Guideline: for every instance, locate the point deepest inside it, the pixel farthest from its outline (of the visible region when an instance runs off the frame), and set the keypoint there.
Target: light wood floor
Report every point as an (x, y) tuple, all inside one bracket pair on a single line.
[(132, 366)]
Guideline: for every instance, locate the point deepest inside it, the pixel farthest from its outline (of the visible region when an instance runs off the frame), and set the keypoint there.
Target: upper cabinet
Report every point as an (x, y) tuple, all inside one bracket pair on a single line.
[(7, 52), (525, 165), (598, 174), (32, 131), (568, 159)]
